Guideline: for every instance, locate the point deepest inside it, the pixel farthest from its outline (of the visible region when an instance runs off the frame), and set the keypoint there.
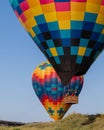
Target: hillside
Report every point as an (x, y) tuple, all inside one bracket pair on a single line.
[(71, 122)]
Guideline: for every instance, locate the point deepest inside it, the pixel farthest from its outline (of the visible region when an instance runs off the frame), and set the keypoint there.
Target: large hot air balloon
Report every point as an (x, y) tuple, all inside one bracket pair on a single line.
[(70, 33), (55, 97)]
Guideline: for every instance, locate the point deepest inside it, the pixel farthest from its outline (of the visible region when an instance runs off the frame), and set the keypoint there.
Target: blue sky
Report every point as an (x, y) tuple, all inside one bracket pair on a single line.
[(18, 58)]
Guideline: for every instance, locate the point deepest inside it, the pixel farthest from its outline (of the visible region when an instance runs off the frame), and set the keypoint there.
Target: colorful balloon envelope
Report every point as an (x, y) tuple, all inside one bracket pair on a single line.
[(70, 33), (51, 92)]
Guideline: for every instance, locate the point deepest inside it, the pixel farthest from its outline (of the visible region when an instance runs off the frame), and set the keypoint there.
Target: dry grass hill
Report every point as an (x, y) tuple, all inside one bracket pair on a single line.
[(72, 122)]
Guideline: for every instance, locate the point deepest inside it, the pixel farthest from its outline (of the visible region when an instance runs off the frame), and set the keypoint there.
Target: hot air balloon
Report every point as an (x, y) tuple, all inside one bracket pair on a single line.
[(70, 33), (55, 97)]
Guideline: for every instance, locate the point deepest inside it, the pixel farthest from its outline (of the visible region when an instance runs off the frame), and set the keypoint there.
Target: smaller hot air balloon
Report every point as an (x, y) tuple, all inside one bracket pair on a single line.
[(55, 97)]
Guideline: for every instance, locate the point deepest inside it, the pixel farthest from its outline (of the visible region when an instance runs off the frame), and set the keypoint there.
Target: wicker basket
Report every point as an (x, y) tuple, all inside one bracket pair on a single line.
[(71, 99)]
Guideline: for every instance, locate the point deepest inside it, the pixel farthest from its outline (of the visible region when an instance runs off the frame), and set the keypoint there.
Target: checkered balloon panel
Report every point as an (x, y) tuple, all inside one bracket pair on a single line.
[(70, 33)]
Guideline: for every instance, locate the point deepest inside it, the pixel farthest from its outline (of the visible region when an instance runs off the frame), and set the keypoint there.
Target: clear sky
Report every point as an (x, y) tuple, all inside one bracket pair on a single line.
[(18, 58)]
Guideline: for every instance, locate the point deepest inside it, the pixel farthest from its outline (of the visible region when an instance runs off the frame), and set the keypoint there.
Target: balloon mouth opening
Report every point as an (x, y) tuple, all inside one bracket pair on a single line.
[(79, 73), (66, 77)]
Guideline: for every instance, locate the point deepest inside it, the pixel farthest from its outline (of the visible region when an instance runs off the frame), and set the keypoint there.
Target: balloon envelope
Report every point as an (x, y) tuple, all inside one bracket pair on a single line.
[(50, 91), (69, 32)]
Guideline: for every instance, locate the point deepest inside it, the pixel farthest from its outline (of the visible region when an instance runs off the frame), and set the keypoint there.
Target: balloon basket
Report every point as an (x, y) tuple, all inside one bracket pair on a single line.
[(71, 99)]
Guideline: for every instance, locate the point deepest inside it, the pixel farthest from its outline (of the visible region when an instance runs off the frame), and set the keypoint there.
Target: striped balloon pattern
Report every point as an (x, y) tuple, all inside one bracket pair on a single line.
[(50, 90), (70, 33)]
